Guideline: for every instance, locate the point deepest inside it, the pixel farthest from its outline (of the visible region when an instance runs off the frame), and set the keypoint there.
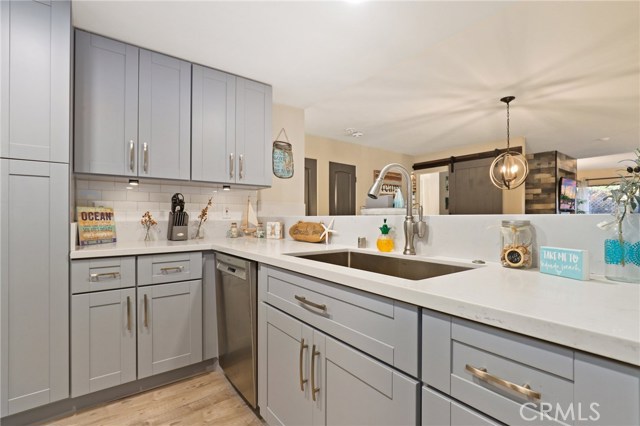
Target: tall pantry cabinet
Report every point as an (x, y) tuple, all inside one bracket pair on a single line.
[(35, 59)]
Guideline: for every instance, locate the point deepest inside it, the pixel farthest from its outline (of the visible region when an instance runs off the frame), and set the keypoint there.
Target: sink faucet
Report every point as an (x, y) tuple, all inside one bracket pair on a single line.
[(411, 227)]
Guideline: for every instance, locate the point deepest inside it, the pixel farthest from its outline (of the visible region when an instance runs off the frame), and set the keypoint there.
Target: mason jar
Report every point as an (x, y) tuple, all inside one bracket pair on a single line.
[(517, 244)]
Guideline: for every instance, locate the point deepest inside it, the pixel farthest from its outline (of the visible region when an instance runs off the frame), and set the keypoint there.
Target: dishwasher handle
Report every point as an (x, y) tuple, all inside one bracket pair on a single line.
[(231, 270)]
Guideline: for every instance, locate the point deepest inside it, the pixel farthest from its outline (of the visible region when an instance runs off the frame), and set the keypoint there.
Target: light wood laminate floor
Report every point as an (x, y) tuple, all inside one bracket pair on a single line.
[(207, 399)]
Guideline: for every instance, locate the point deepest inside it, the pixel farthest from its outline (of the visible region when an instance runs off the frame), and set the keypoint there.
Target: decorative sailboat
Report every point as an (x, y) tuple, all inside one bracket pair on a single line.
[(250, 220)]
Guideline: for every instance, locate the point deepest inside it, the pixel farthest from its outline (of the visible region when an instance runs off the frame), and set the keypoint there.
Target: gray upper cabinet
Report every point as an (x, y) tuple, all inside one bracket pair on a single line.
[(133, 110), (34, 284), (213, 131), (253, 132), (106, 106), (164, 146), (231, 129), (35, 47)]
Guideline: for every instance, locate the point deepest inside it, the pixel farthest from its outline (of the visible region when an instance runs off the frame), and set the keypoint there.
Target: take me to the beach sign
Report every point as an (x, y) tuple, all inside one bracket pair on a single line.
[(568, 263)]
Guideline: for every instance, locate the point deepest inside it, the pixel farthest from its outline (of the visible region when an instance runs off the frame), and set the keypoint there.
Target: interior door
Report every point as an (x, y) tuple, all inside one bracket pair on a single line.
[(310, 186), (342, 189), (471, 190)]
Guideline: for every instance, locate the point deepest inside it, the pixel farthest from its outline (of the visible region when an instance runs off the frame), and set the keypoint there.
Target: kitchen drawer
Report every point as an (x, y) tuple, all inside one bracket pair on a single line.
[(439, 410), (381, 327), (102, 274), (485, 361), (168, 268)]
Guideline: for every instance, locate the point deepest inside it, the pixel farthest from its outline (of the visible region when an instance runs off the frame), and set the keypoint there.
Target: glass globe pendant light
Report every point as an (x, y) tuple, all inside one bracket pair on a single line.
[(510, 169)]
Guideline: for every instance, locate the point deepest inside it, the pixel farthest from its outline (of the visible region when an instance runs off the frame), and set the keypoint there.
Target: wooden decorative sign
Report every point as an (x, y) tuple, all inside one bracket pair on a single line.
[(568, 263), (96, 225)]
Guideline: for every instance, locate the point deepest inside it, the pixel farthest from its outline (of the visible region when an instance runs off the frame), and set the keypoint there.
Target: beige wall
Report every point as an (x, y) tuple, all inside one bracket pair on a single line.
[(512, 201), (286, 196), (364, 158), (610, 174)]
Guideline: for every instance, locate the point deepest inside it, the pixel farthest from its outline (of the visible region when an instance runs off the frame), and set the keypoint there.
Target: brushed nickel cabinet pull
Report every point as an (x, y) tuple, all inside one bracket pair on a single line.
[(129, 313), (97, 277), (304, 300), (241, 161), (302, 380), (132, 156), (145, 157), (146, 311), (524, 390), (172, 269), (314, 389), (232, 166)]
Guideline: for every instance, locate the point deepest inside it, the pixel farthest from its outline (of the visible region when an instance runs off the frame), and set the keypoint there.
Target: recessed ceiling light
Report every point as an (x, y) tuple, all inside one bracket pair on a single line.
[(350, 131), (604, 139)]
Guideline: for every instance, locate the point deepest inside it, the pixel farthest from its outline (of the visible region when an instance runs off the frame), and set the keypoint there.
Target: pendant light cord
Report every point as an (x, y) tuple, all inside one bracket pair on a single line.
[(507, 127)]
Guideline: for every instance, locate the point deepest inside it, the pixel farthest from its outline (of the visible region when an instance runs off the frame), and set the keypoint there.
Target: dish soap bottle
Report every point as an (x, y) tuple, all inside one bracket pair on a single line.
[(398, 200), (385, 242)]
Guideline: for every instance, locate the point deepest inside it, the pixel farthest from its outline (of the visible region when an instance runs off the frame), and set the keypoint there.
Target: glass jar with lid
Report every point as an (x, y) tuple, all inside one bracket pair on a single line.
[(517, 244)]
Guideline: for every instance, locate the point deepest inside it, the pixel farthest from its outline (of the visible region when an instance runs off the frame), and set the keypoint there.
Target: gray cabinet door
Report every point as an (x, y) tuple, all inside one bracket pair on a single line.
[(34, 284), (288, 387), (359, 390), (164, 147), (103, 342), (35, 53), (606, 392), (106, 106), (169, 326), (253, 132), (213, 132)]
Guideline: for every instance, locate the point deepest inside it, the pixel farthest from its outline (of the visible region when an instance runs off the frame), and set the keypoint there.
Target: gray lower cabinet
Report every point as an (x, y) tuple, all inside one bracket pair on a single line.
[(520, 380), (132, 110), (169, 326), (103, 346), (315, 379), (34, 80), (438, 410), (34, 284)]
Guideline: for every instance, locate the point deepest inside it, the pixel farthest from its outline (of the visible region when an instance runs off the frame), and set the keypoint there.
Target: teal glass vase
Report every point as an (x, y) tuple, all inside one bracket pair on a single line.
[(622, 251)]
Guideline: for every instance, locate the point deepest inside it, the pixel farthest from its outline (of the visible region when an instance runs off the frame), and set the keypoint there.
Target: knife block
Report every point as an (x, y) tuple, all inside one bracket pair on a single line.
[(177, 233)]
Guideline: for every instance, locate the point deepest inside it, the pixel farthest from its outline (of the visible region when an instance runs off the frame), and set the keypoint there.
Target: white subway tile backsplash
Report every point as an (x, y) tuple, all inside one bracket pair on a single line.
[(200, 198), (88, 194), (149, 187), (151, 206), (82, 184), (188, 189), (127, 206), (170, 189), (102, 184), (114, 195), (137, 196)]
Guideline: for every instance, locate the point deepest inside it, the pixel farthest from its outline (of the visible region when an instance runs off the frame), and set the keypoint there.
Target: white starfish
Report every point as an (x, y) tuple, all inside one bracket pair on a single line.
[(327, 231)]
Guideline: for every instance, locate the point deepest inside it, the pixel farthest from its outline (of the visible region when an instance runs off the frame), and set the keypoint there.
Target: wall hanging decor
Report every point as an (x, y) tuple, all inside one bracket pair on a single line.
[(282, 157)]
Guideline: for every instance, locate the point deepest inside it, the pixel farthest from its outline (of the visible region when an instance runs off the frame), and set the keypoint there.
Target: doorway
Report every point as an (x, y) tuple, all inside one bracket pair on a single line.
[(310, 186), (471, 190), (342, 189)]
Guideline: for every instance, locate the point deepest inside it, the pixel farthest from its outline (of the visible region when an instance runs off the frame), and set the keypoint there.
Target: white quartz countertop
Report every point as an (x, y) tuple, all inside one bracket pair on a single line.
[(595, 316)]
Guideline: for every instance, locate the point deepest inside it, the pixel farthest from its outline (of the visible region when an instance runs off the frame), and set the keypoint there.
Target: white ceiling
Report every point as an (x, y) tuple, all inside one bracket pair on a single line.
[(416, 77)]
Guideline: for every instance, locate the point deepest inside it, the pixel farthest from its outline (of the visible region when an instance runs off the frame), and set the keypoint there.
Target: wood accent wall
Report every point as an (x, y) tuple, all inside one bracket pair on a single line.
[(541, 186)]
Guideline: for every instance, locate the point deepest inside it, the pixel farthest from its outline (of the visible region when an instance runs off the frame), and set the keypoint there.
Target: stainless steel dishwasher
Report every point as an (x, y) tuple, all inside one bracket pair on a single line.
[(236, 295)]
